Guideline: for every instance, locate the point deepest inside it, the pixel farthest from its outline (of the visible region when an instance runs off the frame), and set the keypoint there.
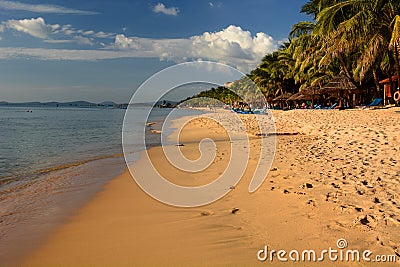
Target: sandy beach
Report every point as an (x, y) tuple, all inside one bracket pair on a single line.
[(335, 175)]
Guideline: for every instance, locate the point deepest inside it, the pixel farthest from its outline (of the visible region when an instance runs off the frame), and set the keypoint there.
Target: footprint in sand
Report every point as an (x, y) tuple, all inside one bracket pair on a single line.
[(307, 185), (234, 210), (206, 213), (311, 202), (335, 185), (367, 220)]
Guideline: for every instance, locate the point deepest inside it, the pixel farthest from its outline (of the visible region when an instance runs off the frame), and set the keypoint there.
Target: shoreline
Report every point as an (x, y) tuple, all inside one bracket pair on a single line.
[(59, 192), (314, 187), (124, 189), (9, 180), (50, 200)]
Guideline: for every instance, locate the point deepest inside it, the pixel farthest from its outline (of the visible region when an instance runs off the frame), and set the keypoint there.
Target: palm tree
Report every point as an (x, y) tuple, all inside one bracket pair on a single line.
[(358, 38), (365, 30), (314, 7), (275, 73)]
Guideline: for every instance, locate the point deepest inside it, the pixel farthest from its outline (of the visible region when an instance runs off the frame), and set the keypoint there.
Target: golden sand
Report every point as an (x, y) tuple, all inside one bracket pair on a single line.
[(338, 178)]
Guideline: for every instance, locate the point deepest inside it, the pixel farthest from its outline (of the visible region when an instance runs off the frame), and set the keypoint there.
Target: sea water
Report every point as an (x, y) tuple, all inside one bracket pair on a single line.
[(37, 139), (52, 160)]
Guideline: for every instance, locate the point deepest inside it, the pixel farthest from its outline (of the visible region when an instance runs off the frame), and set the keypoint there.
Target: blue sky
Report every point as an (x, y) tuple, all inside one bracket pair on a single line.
[(97, 50)]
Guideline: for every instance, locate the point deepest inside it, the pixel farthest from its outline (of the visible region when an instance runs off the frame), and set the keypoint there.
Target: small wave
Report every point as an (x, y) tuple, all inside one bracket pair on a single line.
[(66, 166), (7, 180)]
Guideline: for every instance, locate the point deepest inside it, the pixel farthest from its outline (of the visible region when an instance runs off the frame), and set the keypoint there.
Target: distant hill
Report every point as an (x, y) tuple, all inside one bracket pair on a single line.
[(108, 103), (215, 96), (157, 104), (82, 104)]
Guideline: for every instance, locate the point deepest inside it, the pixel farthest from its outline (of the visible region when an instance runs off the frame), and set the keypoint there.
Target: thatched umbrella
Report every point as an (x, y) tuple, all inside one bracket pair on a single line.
[(304, 97), (339, 86), (311, 90), (270, 100), (294, 97), (310, 93), (282, 97)]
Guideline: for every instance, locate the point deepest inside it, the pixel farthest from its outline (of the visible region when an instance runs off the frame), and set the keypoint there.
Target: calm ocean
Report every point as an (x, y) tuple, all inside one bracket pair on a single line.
[(45, 139), (52, 160)]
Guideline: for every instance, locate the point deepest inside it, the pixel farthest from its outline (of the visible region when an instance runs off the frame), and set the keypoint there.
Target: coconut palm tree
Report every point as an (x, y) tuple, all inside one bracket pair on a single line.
[(358, 38), (365, 30), (275, 73)]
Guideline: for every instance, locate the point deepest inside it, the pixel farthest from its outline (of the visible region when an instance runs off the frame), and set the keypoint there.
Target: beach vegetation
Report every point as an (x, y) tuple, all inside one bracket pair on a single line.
[(358, 40), (355, 38)]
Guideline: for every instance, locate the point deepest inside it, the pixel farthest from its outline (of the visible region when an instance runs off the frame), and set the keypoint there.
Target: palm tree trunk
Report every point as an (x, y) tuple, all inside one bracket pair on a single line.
[(346, 70), (376, 80), (396, 62), (280, 89)]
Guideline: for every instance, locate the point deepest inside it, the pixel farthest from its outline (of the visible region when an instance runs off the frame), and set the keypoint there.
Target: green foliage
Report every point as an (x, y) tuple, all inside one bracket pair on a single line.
[(243, 90), (357, 38), (213, 97)]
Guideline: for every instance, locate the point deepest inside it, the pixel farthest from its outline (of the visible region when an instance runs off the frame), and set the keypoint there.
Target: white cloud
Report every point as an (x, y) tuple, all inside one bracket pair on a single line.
[(86, 32), (83, 40), (53, 33), (232, 45), (101, 34), (38, 8), (68, 54), (161, 8), (211, 4), (58, 41), (35, 27), (121, 41)]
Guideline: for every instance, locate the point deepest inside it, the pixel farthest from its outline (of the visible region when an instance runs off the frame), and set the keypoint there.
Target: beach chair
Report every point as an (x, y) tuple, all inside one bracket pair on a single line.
[(317, 106), (376, 102), (333, 106), (259, 111)]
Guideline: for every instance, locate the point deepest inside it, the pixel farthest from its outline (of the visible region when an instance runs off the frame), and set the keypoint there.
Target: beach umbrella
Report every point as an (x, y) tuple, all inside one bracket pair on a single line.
[(337, 84), (294, 97), (340, 86), (282, 97), (306, 94), (311, 90), (304, 97)]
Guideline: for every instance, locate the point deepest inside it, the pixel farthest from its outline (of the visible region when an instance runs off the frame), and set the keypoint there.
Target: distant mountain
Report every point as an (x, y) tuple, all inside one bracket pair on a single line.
[(86, 104), (82, 104), (108, 103), (26, 104), (157, 104)]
